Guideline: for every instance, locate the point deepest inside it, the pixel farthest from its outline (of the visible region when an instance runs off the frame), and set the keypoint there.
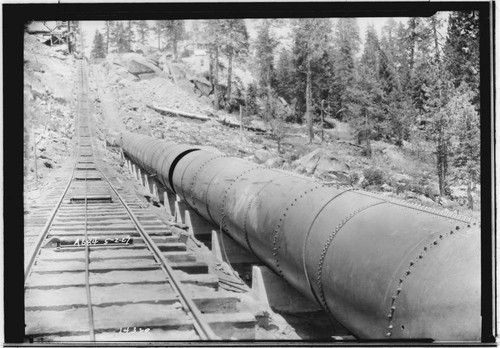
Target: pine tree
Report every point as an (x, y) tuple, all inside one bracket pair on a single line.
[(467, 140), (143, 31), (98, 49), (435, 91), (119, 37), (264, 56), (74, 36), (311, 38), (345, 47), (160, 28), (251, 100), (175, 31), (285, 76), (462, 50), (236, 45), (109, 28), (369, 119), (130, 35), (214, 38)]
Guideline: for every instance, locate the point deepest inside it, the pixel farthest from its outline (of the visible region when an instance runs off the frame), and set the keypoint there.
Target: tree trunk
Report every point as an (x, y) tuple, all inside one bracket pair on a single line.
[(68, 37), (269, 89), (174, 46), (35, 157), (229, 73), (322, 121), (107, 37), (470, 200), (241, 122), (82, 48), (216, 79), (441, 164), (413, 34), (211, 67), (368, 149), (436, 41), (129, 36), (26, 149), (246, 103), (308, 101)]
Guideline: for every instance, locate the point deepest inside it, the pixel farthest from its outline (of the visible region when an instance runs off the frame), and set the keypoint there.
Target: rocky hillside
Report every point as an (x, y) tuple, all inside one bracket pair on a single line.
[(49, 105), (406, 173), (130, 89)]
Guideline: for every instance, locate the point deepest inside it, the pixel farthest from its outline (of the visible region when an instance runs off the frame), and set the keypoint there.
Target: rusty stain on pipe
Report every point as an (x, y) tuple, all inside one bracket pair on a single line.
[(383, 268)]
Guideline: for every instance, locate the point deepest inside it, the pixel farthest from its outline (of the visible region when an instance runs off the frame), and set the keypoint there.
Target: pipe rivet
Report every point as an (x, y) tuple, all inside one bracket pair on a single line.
[(389, 316), (440, 236), (393, 308), (388, 334), (412, 263), (391, 326), (457, 228), (435, 243), (425, 248), (394, 297), (420, 256), (400, 280), (398, 290), (407, 273)]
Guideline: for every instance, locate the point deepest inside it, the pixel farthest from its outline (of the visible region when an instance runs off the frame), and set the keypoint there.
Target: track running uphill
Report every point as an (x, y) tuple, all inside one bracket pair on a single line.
[(102, 268)]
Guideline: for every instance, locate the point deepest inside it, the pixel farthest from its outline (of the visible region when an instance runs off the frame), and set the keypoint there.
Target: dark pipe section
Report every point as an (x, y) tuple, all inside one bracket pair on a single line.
[(383, 268), (174, 164)]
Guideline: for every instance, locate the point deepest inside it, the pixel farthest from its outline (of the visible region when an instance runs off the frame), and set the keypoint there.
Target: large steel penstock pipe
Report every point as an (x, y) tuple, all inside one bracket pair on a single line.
[(382, 268)]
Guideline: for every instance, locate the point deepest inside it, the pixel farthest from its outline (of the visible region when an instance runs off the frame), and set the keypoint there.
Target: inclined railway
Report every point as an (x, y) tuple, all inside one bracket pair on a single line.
[(382, 268), (103, 269)]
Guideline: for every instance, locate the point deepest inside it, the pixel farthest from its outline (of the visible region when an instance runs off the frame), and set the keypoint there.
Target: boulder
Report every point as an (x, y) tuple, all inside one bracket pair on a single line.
[(177, 71), (122, 72), (425, 199), (443, 201), (202, 87), (320, 162), (458, 191), (398, 177), (276, 162), (386, 188), (138, 65), (262, 156)]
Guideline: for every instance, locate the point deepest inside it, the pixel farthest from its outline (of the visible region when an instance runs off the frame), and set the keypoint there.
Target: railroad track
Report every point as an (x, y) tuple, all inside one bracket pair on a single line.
[(102, 268)]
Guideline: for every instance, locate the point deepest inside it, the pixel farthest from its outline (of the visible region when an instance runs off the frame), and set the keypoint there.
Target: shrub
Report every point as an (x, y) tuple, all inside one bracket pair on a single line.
[(373, 176), (354, 177)]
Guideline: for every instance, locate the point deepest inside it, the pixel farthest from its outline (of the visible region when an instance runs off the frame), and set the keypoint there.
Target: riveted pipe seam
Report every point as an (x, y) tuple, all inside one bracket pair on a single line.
[(363, 262)]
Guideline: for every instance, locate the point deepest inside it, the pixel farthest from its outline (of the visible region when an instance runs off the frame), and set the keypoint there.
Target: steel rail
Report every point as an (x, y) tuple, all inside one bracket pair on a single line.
[(46, 227), (203, 329), (87, 266), (87, 250)]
